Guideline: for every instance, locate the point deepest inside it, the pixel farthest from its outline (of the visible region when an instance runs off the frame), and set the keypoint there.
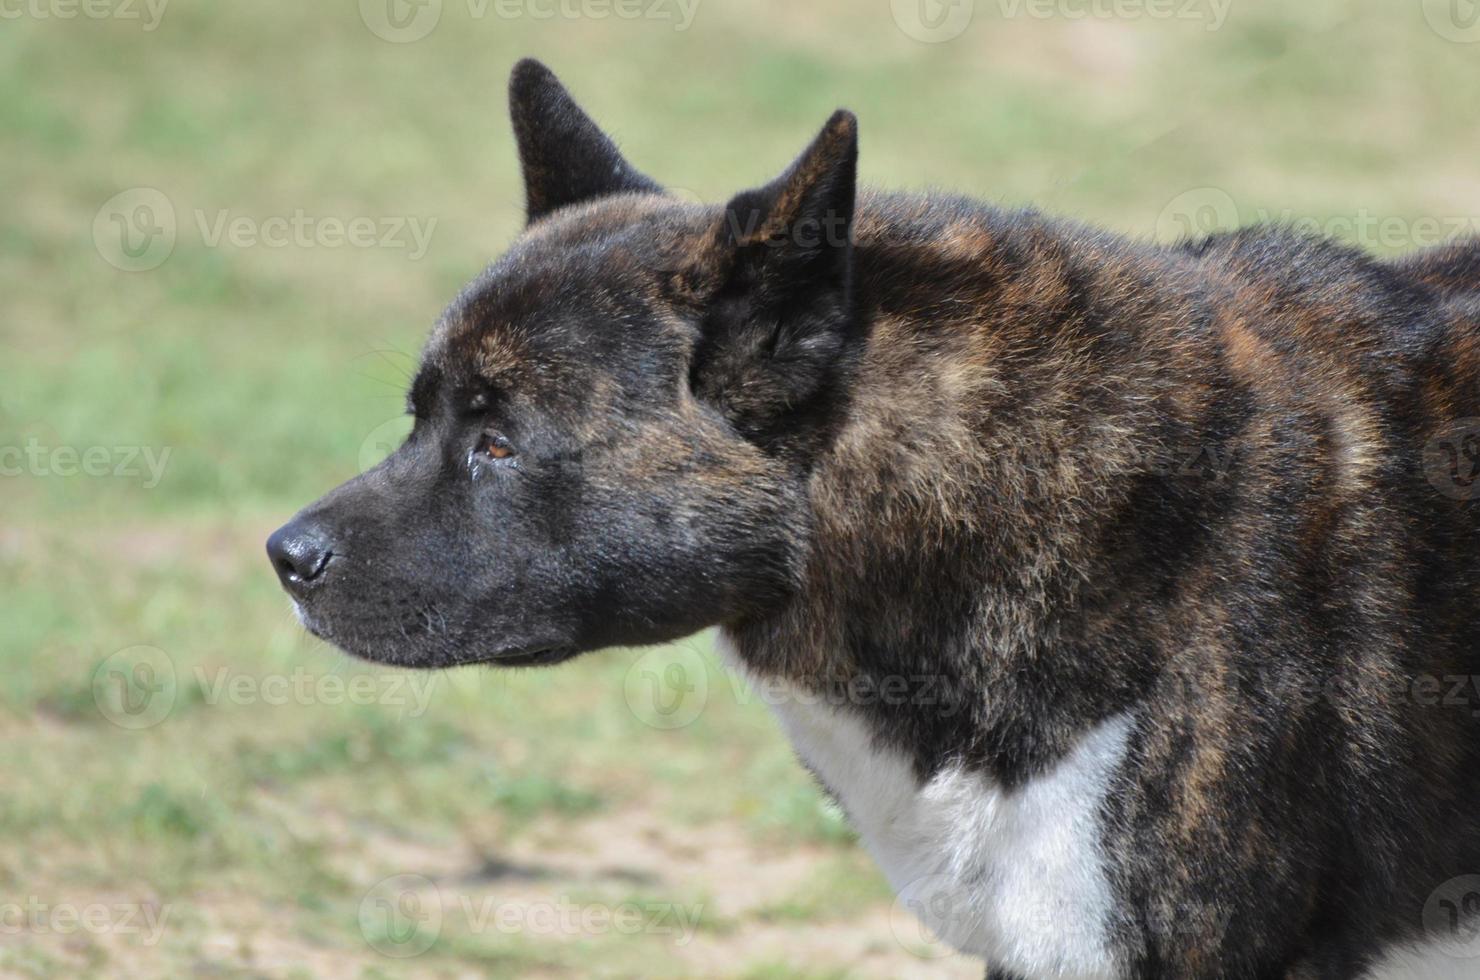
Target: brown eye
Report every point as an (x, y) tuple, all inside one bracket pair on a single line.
[(495, 446)]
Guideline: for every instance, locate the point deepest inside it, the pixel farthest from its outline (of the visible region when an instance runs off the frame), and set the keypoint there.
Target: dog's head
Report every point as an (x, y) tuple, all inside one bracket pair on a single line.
[(613, 423)]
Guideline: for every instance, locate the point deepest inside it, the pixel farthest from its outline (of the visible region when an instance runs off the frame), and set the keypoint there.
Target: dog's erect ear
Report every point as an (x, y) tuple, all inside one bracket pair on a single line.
[(565, 157), (779, 315), (797, 230)]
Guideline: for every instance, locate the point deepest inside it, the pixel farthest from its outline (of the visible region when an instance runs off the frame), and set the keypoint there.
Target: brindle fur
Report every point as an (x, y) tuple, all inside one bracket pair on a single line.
[(1059, 474)]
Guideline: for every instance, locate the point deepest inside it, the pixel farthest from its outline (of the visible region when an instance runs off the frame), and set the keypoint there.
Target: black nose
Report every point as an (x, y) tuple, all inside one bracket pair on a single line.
[(299, 550)]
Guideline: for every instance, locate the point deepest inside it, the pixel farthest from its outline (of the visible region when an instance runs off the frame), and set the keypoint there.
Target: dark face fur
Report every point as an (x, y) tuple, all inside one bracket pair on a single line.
[(613, 422)]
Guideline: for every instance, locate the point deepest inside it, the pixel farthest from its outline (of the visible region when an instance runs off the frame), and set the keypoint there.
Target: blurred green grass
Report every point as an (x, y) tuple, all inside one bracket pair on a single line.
[(265, 372)]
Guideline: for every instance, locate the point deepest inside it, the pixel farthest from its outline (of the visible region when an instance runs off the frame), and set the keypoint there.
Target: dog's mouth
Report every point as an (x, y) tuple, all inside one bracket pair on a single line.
[(542, 657), (524, 655)]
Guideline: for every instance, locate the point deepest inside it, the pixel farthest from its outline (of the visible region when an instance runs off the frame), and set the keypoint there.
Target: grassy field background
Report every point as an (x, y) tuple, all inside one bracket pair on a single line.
[(190, 786)]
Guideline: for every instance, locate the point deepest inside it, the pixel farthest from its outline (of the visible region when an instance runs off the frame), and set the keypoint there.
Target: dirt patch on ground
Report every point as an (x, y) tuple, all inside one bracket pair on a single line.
[(701, 894)]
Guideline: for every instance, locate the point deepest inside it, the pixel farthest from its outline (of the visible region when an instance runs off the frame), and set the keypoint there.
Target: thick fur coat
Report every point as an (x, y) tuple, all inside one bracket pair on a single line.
[(1127, 593)]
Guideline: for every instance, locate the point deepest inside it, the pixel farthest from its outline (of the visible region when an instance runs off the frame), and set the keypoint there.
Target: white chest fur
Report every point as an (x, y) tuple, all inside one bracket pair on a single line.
[(1432, 963), (1015, 878)]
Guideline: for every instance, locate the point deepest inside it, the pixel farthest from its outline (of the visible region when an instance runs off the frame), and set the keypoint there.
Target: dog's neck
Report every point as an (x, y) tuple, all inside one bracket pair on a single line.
[(999, 435)]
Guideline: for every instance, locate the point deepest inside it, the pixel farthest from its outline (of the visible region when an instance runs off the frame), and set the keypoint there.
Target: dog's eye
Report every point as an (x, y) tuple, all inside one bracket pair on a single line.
[(493, 445)]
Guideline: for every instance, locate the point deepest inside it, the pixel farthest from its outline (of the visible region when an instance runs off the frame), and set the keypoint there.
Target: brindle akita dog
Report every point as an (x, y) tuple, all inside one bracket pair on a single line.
[(1124, 596)]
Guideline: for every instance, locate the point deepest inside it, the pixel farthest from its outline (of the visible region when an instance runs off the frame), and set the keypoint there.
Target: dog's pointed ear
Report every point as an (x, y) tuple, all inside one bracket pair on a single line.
[(779, 316), (566, 158), (798, 229)]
